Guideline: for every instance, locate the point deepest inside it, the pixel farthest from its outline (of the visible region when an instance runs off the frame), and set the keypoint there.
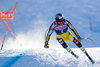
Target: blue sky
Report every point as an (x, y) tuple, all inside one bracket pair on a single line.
[(36, 16)]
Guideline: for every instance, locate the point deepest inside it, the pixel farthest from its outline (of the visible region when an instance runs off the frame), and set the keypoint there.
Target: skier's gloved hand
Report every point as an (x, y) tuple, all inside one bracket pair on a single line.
[(46, 45), (79, 38)]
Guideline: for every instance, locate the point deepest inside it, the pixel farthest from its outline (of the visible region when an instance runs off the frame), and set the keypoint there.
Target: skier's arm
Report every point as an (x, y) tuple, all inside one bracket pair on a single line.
[(73, 29), (48, 35)]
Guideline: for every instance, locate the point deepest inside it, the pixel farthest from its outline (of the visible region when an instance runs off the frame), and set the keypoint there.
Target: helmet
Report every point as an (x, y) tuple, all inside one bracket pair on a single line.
[(59, 17)]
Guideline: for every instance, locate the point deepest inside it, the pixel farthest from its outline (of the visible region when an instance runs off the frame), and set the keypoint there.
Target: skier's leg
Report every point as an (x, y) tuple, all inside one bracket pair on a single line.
[(82, 48), (79, 45), (64, 45)]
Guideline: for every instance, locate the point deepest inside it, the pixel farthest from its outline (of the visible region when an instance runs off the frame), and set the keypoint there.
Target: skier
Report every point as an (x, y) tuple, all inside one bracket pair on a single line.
[(60, 26)]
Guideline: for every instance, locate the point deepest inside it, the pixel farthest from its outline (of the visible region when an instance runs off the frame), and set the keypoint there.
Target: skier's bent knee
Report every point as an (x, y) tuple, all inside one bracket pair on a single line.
[(61, 41)]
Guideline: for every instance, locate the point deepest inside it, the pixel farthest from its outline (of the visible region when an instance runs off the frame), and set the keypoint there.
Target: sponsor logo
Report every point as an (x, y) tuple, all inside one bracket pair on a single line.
[(61, 27), (6, 16)]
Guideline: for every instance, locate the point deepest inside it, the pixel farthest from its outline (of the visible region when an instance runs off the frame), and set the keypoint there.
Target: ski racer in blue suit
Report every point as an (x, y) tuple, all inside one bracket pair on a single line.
[(60, 26)]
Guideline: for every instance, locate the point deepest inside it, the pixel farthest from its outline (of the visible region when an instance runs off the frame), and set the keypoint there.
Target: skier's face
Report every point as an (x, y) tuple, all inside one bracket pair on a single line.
[(60, 23)]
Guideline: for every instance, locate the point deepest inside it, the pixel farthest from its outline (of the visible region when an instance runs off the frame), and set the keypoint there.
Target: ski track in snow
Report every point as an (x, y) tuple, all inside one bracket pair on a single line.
[(49, 57)]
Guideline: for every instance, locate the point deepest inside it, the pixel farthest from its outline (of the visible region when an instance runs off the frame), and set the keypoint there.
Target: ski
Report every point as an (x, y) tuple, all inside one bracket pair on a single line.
[(74, 55), (89, 58)]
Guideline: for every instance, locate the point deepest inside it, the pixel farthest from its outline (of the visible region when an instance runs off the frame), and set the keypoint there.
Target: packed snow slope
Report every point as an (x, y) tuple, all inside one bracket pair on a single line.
[(48, 58), (32, 19)]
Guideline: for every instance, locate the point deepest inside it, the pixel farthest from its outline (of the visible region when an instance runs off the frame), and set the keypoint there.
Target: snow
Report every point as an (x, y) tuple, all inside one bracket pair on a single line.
[(33, 17), (58, 57)]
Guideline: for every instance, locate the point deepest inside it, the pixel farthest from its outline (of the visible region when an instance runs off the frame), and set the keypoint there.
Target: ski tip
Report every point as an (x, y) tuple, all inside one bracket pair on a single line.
[(77, 57), (93, 62)]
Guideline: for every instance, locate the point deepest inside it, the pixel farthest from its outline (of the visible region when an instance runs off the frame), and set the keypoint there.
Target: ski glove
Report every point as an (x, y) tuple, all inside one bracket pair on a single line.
[(46, 45), (79, 38)]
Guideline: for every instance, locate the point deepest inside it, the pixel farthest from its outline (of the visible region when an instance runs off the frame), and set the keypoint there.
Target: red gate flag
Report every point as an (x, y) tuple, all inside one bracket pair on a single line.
[(7, 16)]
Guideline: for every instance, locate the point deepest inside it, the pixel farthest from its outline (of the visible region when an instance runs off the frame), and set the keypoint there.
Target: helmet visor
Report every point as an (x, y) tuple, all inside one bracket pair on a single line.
[(59, 20)]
